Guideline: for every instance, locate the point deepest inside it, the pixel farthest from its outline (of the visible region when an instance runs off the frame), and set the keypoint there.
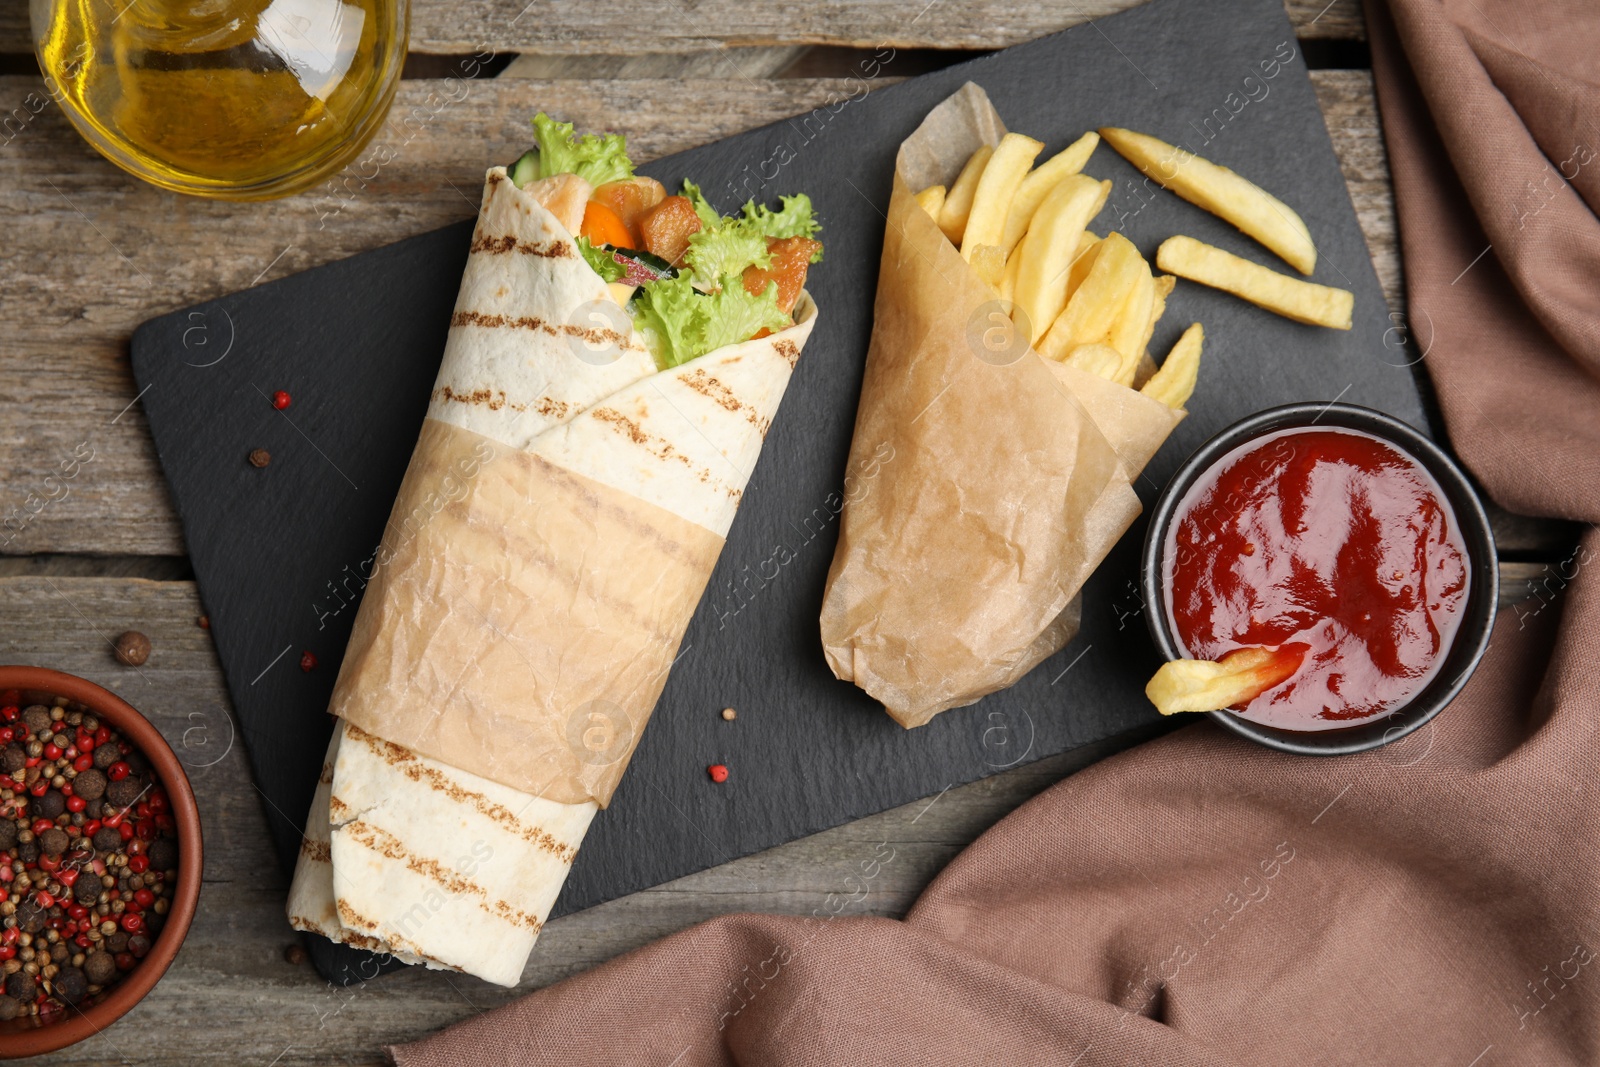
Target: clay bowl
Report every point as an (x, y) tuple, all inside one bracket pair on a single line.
[(35, 685)]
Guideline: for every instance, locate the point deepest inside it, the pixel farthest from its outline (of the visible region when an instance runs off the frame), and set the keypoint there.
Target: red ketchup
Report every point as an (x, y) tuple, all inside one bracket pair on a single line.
[(1328, 542)]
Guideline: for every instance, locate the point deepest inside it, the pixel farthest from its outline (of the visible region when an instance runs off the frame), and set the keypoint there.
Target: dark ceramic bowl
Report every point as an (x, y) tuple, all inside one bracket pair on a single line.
[(35, 685), (1477, 619)]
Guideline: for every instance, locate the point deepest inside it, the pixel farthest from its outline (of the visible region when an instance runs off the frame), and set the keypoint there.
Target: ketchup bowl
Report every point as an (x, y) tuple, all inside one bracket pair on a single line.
[(1345, 542)]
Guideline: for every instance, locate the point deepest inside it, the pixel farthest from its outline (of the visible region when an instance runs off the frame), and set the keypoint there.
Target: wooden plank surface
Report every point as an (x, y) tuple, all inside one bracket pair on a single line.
[(232, 999), (663, 26), (90, 253)]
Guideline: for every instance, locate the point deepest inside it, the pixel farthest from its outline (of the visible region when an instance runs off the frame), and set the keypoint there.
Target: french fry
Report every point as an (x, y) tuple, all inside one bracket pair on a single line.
[(957, 205), (1130, 329), (1051, 246), (1164, 284), (1174, 383), (1090, 314), (1008, 282), (1083, 262), (991, 201), (1315, 305), (1037, 185), (989, 264), (1097, 359), (1240, 676), (1222, 192), (931, 200)]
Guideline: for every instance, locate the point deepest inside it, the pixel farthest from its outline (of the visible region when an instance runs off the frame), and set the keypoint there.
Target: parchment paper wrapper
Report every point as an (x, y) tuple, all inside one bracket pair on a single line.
[(1008, 478), (524, 629)]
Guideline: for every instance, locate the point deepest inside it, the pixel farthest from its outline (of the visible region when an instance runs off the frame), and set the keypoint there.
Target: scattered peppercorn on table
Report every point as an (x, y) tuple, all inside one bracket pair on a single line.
[(91, 557)]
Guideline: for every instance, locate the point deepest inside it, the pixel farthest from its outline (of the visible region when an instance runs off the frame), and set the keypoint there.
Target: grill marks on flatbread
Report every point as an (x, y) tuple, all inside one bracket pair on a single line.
[(519, 358), (686, 439)]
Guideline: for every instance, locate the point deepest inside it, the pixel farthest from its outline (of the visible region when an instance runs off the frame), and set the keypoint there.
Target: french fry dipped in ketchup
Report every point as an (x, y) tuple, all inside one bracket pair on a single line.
[(1237, 678)]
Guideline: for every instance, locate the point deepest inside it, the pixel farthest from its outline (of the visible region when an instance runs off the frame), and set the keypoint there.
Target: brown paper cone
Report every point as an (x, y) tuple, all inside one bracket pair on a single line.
[(522, 619), (1007, 479)]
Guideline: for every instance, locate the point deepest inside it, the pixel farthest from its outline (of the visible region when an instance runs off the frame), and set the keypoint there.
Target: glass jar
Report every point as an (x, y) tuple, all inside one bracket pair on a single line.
[(234, 99)]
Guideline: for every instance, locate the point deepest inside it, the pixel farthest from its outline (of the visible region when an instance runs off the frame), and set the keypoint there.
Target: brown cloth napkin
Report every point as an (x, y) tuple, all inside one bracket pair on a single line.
[(1200, 900)]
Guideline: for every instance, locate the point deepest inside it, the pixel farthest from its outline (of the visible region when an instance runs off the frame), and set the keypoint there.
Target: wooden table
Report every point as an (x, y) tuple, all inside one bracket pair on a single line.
[(88, 253)]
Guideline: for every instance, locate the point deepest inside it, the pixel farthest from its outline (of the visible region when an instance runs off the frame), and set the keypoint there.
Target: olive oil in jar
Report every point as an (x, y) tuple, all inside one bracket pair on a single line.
[(238, 99)]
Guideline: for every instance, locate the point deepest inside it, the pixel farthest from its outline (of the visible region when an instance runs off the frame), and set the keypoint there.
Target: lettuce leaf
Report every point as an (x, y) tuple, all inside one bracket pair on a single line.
[(595, 158), (669, 314), (735, 315), (604, 263), (793, 219), (719, 256), (681, 323)]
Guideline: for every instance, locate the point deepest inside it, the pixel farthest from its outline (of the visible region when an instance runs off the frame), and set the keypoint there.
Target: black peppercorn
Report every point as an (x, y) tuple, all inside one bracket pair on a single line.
[(54, 841), (50, 805), (117, 942), (37, 716), (86, 891), (28, 852), (14, 757), (106, 839), (90, 785), (105, 756), (10, 1008), (21, 986), (8, 833), (70, 985), (121, 794), (163, 853), (99, 967)]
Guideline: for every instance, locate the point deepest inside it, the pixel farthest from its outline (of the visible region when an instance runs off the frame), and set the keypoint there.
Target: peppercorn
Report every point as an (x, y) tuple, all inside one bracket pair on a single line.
[(71, 985), (308, 661), (27, 851), (295, 954), (123, 792), (116, 940), (99, 967), (259, 457), (90, 785), (10, 1007), (59, 952), (106, 839), (163, 854), (86, 891), (728, 714), (50, 805), (718, 772), (54, 841), (133, 648), (8, 833), (22, 986), (105, 756), (14, 758)]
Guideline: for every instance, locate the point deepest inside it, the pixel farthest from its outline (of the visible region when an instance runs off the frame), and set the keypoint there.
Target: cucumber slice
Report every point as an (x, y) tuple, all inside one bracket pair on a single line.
[(525, 169)]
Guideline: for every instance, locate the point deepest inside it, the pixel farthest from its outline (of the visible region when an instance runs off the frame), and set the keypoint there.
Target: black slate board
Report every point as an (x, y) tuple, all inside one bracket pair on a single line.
[(358, 343)]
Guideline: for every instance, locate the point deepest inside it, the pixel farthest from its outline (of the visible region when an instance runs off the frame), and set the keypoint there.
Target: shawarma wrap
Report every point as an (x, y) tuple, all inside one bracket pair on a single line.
[(615, 359)]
